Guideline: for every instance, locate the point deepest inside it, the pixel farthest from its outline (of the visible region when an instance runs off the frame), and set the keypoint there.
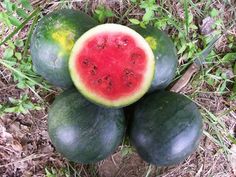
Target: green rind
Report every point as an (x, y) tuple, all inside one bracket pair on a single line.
[(165, 56), (166, 128), (82, 131), (50, 59)]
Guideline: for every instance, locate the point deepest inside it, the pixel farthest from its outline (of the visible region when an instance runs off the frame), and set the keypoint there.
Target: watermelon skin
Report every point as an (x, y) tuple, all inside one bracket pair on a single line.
[(165, 56), (82, 131), (52, 41), (166, 128)]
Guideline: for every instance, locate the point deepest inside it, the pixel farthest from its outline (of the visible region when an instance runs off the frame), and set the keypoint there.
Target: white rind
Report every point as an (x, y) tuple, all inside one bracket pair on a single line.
[(126, 99)]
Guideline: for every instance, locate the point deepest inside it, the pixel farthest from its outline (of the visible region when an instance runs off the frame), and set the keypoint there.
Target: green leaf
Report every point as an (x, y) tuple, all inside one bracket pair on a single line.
[(49, 174), (218, 72), (222, 87), (21, 84), (232, 139), (35, 12), (31, 29), (4, 19), (8, 53), (101, 13), (13, 101), (8, 5), (214, 12), (186, 15), (11, 110), (234, 71), (18, 55), (21, 13), (19, 43), (210, 81), (229, 57), (24, 97), (29, 106), (14, 7), (142, 25), (14, 21), (134, 21), (182, 49), (224, 76), (22, 75), (22, 110), (190, 18), (37, 108), (149, 14), (234, 88), (11, 44), (231, 45), (125, 151), (148, 4), (26, 4), (192, 26), (161, 23)]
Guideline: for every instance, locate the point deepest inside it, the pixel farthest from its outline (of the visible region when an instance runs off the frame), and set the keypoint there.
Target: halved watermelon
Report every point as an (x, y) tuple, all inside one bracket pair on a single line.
[(112, 65)]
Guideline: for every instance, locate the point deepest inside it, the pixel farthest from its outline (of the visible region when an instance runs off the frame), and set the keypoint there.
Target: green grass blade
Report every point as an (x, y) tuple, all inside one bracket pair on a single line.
[(186, 17), (200, 57), (199, 11), (29, 36), (125, 14), (172, 19), (23, 75), (149, 171), (35, 12), (214, 140)]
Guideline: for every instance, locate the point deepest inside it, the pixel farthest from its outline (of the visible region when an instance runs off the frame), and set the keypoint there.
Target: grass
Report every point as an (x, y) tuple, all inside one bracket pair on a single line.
[(180, 22), (20, 26)]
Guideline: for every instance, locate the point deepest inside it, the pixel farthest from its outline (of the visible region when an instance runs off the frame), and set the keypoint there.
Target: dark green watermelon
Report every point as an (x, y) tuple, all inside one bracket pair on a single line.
[(166, 128), (84, 132), (165, 55), (52, 41)]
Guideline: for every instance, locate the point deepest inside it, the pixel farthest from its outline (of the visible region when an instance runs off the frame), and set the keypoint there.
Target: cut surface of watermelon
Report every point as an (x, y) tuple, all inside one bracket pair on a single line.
[(112, 65)]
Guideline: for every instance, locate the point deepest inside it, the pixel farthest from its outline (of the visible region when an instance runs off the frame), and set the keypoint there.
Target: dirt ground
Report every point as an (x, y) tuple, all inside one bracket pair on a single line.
[(26, 150)]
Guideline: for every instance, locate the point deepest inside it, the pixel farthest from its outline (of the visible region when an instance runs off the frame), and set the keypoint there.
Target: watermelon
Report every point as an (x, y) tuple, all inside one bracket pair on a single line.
[(165, 56), (112, 65), (52, 41), (84, 132), (166, 128)]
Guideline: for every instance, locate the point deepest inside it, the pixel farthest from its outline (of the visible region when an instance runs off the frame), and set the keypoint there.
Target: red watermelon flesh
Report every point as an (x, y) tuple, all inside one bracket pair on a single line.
[(111, 65)]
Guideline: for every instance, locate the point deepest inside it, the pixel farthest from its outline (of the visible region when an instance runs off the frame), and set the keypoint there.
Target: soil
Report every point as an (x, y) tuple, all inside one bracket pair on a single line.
[(26, 150)]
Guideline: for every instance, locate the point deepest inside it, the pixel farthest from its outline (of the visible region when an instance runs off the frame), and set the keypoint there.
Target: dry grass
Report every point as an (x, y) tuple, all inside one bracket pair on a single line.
[(26, 150)]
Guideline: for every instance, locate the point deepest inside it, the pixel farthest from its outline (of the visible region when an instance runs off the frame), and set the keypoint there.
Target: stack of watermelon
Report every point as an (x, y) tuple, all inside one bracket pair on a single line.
[(106, 69)]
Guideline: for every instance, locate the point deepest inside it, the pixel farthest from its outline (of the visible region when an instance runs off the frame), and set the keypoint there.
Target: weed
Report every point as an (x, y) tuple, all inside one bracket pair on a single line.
[(52, 172), (16, 57), (22, 105), (126, 151), (189, 42), (102, 13), (150, 7)]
